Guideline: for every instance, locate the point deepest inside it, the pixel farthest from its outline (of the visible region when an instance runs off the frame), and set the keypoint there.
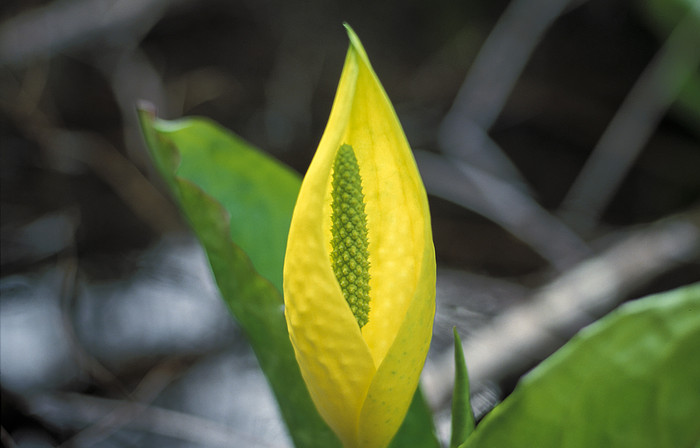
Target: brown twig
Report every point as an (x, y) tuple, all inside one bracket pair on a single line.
[(527, 333), (6, 438), (635, 121), (507, 206), (118, 172), (489, 82), (138, 416), (69, 294), (64, 26), (125, 412)]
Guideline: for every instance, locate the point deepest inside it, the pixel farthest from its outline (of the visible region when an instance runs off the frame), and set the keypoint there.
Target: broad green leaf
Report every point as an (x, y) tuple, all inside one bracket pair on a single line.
[(462, 416), (256, 191), (212, 175), (417, 429), (239, 203), (631, 379)]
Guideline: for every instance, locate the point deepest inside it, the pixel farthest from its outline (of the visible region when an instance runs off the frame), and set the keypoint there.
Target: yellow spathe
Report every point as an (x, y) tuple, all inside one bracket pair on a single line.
[(362, 381)]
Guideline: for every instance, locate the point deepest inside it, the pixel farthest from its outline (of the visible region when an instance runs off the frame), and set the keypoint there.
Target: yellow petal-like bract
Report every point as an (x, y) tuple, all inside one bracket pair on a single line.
[(362, 380)]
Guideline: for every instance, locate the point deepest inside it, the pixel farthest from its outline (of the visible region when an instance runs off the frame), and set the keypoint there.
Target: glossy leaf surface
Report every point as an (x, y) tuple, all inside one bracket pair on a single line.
[(631, 379)]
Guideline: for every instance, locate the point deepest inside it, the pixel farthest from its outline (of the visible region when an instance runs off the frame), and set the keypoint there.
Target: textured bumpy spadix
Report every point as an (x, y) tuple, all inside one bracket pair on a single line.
[(361, 377), (349, 230)]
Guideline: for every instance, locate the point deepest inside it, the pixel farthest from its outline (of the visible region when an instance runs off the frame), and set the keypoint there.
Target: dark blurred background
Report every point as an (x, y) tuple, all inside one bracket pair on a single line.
[(559, 142)]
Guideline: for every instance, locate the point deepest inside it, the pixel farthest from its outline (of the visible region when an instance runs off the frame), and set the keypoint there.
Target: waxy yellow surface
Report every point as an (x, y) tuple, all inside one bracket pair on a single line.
[(362, 381)]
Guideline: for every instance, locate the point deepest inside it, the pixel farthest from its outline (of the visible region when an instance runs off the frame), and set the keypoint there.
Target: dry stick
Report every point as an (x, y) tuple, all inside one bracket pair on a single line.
[(504, 204), (68, 265), (133, 78), (120, 173), (64, 26), (82, 409), (634, 122), (463, 134), (491, 78), (152, 384), (6, 438), (147, 202), (147, 390), (502, 59), (528, 333)]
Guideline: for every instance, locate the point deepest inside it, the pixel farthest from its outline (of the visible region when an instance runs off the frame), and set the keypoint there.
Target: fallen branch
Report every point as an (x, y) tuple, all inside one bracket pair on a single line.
[(633, 124), (68, 25), (75, 410), (526, 334)]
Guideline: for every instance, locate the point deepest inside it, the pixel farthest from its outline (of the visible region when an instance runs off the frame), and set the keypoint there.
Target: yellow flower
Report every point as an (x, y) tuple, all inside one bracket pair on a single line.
[(361, 341)]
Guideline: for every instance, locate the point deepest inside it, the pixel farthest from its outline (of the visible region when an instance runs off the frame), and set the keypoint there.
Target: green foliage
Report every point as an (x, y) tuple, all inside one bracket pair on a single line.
[(417, 429), (462, 416), (631, 379), (239, 203), (214, 177), (257, 192)]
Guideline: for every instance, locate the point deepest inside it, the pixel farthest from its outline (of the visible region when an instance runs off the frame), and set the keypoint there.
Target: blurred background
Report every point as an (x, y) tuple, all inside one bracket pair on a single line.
[(559, 142)]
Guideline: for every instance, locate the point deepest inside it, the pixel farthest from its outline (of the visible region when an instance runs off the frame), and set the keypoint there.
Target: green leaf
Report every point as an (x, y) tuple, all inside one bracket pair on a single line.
[(462, 416), (215, 176), (663, 16), (239, 203), (417, 429), (256, 191), (631, 379)]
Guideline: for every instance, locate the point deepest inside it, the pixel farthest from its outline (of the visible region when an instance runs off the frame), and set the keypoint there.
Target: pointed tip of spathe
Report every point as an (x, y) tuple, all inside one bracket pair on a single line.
[(350, 31), (355, 41)]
